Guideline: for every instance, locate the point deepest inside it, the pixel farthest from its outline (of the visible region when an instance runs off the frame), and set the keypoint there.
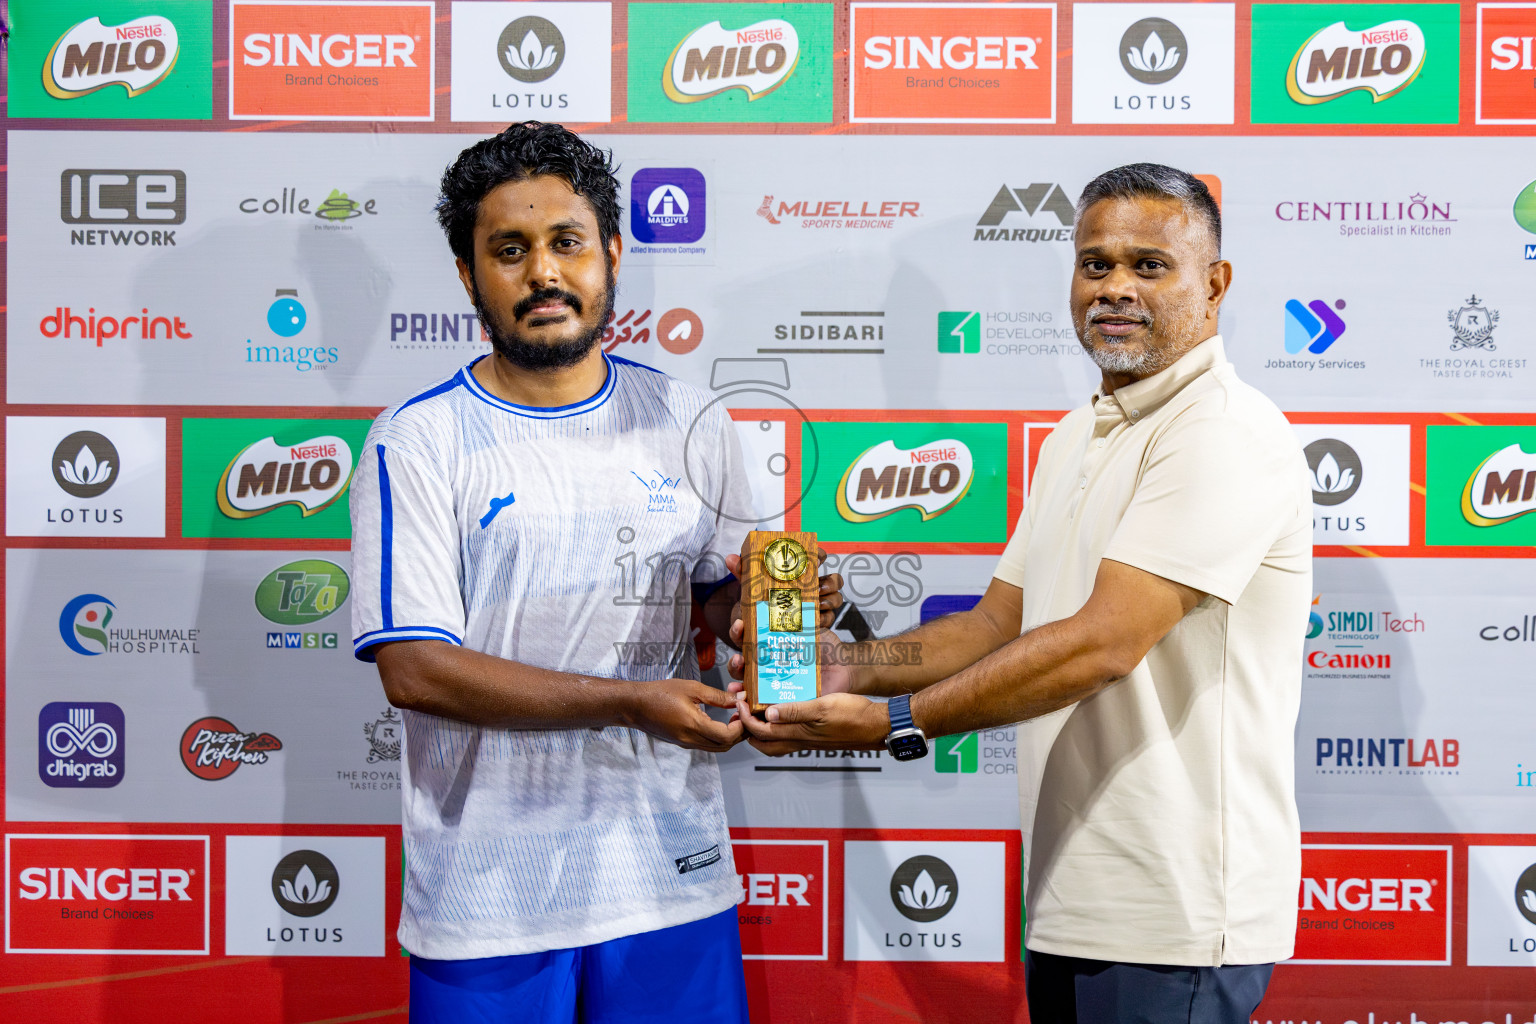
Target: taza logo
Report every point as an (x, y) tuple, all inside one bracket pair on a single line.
[(266, 475), (85, 464), (1494, 493), (1336, 471), (1473, 325), (1382, 60), (1525, 208), (531, 49), (931, 478), (136, 55), (212, 748), (924, 889), (302, 592), (711, 60), (305, 883), (1153, 51)]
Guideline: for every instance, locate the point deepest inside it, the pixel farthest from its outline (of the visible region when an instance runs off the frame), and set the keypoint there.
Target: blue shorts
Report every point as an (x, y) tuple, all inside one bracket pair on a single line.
[(688, 974)]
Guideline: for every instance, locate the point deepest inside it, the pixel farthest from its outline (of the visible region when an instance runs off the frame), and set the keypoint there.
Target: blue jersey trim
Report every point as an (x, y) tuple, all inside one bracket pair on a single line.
[(554, 412), (362, 647), (631, 362), (386, 556), (448, 385)]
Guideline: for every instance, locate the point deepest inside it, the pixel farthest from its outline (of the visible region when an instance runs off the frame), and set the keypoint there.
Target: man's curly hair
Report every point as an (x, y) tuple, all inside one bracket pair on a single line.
[(521, 152)]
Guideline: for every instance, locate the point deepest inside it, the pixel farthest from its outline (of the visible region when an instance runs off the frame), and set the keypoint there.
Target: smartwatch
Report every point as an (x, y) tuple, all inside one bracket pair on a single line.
[(906, 741)]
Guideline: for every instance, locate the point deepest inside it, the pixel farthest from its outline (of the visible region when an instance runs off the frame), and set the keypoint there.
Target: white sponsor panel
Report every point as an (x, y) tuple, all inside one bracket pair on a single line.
[(1153, 64), (1360, 483), (304, 896), (923, 901), (539, 61), (1501, 906), (85, 476)]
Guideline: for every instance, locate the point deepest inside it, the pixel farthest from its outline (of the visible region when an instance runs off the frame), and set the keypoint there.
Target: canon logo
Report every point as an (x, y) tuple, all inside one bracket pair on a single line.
[(985, 53), (110, 884), (1366, 894), (773, 890), (291, 50)]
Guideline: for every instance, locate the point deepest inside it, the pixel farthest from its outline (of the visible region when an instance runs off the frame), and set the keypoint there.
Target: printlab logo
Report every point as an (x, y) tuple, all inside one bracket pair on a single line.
[(212, 748), (122, 199), (924, 889), (531, 49), (1472, 325), (83, 624), (137, 55), (305, 883), (1525, 894), (1153, 51), (80, 745), (1313, 327), (85, 464), (960, 331), (1336, 471), (667, 205), (384, 734), (1035, 201)]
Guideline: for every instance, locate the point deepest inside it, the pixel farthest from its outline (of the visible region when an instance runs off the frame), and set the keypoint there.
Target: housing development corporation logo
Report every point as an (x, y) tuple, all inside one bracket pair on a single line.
[(80, 745), (1506, 60), (960, 331), (213, 749), (932, 479), (1048, 207)]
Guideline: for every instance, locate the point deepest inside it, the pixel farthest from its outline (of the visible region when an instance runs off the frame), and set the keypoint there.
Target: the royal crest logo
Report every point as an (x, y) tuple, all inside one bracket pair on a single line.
[(212, 748), (137, 55), (710, 60), (1472, 325), (1382, 60), (1502, 488), (385, 734), (931, 478), (266, 475)]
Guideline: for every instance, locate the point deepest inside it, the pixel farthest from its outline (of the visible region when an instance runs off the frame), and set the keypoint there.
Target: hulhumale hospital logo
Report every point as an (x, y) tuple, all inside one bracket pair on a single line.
[(83, 624)]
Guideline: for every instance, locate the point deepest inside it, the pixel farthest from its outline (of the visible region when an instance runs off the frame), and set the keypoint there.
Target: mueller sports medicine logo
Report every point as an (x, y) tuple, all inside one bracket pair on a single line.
[(266, 475), (80, 745), (135, 206), (1502, 488), (1036, 202), (1374, 904), (1382, 60), (710, 60), (931, 478), (837, 213), (212, 748), (137, 55)]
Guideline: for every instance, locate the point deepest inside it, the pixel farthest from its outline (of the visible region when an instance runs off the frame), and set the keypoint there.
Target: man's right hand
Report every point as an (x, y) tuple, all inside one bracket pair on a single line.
[(669, 710)]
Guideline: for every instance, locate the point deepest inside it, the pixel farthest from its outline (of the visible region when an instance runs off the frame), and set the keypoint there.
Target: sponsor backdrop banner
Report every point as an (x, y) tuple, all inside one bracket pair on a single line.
[(850, 222)]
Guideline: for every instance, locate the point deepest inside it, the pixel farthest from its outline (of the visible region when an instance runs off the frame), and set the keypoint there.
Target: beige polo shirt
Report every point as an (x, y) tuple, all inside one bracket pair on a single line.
[(1159, 815)]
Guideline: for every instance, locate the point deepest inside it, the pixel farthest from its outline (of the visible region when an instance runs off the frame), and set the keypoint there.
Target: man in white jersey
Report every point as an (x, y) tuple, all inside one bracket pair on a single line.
[(1148, 616), (528, 602)]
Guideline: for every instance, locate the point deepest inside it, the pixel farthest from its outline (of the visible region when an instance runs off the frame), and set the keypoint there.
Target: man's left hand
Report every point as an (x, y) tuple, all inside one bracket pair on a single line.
[(838, 721)]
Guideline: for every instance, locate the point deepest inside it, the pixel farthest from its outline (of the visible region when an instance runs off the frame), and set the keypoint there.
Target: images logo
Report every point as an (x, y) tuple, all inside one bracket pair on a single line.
[(85, 464), (531, 49), (305, 883), (137, 55), (960, 332), (1506, 39), (968, 63), (924, 889), (1313, 327), (1153, 51), (1338, 60), (667, 205), (80, 745), (264, 476), (885, 479), (212, 748), (286, 318), (1336, 471), (1040, 198), (85, 620)]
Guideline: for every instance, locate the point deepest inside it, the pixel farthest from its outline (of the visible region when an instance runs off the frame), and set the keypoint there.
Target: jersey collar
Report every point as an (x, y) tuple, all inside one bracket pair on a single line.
[(553, 412)]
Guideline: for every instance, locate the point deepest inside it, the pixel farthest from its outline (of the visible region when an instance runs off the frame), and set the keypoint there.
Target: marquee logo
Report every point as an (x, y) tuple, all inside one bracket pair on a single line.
[(80, 745), (756, 59), (1035, 201), (137, 55), (1501, 488), (1382, 60), (264, 476), (212, 748), (932, 479)]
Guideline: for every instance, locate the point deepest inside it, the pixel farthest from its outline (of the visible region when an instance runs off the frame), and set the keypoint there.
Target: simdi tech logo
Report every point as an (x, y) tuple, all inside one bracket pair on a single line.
[(268, 478), (1355, 63), (291, 59), (952, 63), (730, 62), (1506, 63), (112, 59), (1480, 485)]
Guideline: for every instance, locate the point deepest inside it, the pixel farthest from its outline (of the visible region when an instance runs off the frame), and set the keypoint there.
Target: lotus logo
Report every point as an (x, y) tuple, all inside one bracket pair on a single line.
[(1501, 489), (1382, 60), (924, 888), (137, 55), (1336, 471), (1525, 894), (1153, 51), (531, 49), (266, 475), (85, 464), (305, 883), (710, 60), (931, 478)]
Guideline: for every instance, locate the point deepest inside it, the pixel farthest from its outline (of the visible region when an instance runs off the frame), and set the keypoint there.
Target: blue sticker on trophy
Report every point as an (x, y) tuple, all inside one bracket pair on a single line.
[(786, 661)]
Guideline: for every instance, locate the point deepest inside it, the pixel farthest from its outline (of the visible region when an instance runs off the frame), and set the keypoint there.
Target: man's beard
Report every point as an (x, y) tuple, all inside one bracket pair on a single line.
[(544, 356), (1113, 357)]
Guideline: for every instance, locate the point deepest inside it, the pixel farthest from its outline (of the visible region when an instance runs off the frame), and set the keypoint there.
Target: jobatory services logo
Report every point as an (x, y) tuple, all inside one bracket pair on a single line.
[(85, 476), (106, 894), (1153, 63), (733, 62), (667, 206), (213, 749), (81, 745), (304, 896), (952, 63), (1375, 905), (86, 627), (112, 59), (1311, 329), (268, 477), (1360, 482), (1501, 906), (1480, 485), (1506, 39), (513, 61), (1045, 205), (782, 908), (135, 206), (286, 318), (920, 900), (1355, 63), (301, 60)]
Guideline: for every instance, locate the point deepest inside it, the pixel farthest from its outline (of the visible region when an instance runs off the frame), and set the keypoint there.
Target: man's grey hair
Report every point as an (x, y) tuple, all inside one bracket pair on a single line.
[(1155, 181)]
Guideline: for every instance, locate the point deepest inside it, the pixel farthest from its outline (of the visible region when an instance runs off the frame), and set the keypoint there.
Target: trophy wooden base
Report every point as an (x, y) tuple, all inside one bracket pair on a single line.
[(780, 601)]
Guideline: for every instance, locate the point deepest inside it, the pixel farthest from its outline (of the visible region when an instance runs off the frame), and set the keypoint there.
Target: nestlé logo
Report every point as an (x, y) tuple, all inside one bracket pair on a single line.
[(136, 55)]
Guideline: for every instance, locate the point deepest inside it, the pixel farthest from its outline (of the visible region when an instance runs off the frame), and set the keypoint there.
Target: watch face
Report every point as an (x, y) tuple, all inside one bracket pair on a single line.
[(907, 748)]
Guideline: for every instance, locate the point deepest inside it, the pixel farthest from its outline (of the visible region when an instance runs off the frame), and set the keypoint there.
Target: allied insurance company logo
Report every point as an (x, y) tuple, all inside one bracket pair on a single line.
[(988, 63), (667, 205), (213, 749), (134, 207), (300, 594), (137, 55), (932, 478), (263, 476), (80, 745)]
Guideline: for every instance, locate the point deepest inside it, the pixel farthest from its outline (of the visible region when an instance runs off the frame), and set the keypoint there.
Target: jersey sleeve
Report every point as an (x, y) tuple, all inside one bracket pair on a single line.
[(405, 546), (730, 499)]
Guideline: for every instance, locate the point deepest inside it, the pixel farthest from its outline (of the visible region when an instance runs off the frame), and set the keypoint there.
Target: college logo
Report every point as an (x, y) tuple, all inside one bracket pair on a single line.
[(1311, 64), (667, 205), (1313, 327), (286, 318), (80, 745), (331, 62), (1472, 326), (305, 883), (991, 63), (782, 909), (106, 894), (122, 199), (1506, 38), (730, 62), (516, 60), (1040, 198), (1374, 905), (85, 464), (931, 479), (212, 748), (1336, 471), (333, 211), (385, 735), (309, 475)]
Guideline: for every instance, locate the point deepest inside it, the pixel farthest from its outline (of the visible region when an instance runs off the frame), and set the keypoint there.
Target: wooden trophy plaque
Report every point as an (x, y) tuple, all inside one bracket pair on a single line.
[(780, 600)]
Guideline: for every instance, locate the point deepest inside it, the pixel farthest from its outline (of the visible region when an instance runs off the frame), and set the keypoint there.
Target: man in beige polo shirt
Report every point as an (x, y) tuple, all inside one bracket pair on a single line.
[(1162, 576)]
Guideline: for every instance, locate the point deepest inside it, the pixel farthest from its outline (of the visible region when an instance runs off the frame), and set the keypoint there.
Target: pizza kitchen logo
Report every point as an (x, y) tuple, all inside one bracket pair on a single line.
[(266, 475), (711, 60), (213, 749), (885, 479), (1382, 60), (137, 55)]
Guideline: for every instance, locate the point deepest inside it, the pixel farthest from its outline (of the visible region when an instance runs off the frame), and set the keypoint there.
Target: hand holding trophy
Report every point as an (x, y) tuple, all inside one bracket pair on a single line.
[(779, 601)]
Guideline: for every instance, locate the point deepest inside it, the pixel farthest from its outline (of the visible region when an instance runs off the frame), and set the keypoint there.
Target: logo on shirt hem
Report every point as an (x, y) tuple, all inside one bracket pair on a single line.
[(695, 861)]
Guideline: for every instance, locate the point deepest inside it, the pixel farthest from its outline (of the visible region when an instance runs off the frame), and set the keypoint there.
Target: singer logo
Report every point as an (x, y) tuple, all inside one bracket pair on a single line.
[(137, 55), (331, 62), (268, 475), (106, 894), (1374, 904), (1506, 60), (884, 479), (1382, 60), (782, 907)]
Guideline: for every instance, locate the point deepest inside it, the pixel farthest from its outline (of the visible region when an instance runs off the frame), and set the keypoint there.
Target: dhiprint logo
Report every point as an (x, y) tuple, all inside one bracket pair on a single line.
[(1313, 327), (762, 57), (85, 464), (83, 624), (212, 748), (1336, 471), (305, 883), (1473, 325), (531, 49), (309, 475), (667, 205), (80, 745), (1040, 198), (960, 332), (1382, 60), (137, 55), (1153, 51), (924, 889)]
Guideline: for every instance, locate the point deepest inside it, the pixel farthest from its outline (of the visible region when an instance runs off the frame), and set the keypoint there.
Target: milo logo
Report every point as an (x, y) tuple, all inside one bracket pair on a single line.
[(931, 478), (137, 55), (756, 59), (268, 475)]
